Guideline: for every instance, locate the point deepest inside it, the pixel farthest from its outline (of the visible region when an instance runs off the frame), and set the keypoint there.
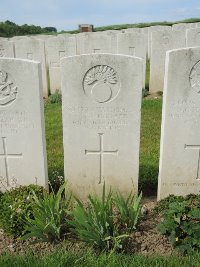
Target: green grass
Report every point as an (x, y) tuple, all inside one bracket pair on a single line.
[(54, 140), (87, 258), (149, 149), (139, 25), (150, 145), (147, 75)]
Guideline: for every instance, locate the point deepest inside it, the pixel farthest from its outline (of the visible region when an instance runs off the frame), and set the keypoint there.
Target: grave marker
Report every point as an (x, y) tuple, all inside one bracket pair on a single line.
[(22, 141), (33, 49), (101, 121), (180, 131)]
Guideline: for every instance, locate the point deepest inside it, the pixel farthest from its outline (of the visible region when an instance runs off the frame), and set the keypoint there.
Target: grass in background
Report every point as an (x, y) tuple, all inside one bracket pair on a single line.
[(54, 139), (150, 145), (149, 148)]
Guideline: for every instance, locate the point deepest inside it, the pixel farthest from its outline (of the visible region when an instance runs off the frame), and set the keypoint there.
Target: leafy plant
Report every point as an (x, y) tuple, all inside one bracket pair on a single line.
[(106, 222), (182, 224), (55, 98), (128, 210), (51, 215), (95, 223), (16, 206), (145, 92)]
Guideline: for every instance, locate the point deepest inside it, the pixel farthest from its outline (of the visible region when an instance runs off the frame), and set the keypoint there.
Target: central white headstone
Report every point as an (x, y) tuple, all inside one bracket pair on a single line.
[(179, 172), (22, 140), (101, 120)]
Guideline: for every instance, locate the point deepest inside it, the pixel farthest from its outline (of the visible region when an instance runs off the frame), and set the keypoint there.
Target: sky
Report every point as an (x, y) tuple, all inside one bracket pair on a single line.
[(68, 14)]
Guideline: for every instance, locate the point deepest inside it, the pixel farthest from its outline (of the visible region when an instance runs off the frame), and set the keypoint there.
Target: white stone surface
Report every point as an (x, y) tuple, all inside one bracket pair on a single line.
[(161, 43), (180, 139), (183, 26), (155, 29), (193, 37), (6, 49), (57, 48), (133, 44), (96, 42), (101, 121), (33, 49), (132, 30), (22, 138)]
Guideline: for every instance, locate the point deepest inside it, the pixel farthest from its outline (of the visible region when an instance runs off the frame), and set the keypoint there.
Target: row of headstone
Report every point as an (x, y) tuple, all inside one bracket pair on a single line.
[(161, 42), (101, 123), (153, 41)]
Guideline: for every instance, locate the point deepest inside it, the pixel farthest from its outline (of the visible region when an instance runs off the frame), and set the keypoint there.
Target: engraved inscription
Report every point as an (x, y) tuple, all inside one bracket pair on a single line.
[(62, 54), (8, 92), (101, 83), (198, 164), (5, 156), (101, 152), (13, 122), (131, 50), (195, 77), (101, 118), (96, 50)]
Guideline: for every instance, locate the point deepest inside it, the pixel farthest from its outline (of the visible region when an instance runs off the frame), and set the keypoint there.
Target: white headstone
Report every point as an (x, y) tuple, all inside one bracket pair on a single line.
[(101, 121), (33, 49), (183, 26), (96, 42), (180, 133), (193, 37), (22, 140), (161, 43), (6, 49), (132, 30), (57, 48), (133, 44), (155, 29)]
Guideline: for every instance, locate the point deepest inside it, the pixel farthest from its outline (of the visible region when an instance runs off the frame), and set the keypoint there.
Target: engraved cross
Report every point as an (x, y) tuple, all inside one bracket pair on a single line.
[(5, 155), (101, 153), (198, 166)]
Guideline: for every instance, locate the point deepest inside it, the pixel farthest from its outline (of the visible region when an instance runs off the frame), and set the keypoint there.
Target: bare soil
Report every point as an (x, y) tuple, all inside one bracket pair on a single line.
[(146, 240)]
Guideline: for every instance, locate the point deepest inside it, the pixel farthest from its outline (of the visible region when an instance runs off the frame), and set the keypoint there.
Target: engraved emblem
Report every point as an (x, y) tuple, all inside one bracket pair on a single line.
[(8, 92), (195, 77), (101, 83)]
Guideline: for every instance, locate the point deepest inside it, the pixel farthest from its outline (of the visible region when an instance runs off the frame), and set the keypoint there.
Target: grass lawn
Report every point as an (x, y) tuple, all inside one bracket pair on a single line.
[(149, 148), (87, 258)]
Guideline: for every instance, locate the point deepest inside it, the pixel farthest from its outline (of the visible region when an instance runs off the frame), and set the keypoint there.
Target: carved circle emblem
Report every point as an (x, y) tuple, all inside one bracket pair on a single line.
[(195, 77), (8, 91), (101, 83)]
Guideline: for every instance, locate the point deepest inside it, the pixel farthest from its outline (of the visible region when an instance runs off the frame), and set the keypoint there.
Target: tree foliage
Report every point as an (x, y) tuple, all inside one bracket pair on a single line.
[(9, 29)]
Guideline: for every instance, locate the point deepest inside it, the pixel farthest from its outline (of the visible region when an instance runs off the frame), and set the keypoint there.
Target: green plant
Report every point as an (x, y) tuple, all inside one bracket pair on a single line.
[(16, 206), (160, 93), (95, 223), (145, 92), (51, 215), (55, 98), (128, 211), (182, 224)]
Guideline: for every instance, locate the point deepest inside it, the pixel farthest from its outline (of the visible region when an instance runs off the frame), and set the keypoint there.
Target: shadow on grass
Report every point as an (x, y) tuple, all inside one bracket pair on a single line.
[(148, 180)]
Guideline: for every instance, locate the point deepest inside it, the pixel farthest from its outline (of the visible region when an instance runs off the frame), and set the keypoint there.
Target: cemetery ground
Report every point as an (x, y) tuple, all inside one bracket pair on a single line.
[(146, 245)]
